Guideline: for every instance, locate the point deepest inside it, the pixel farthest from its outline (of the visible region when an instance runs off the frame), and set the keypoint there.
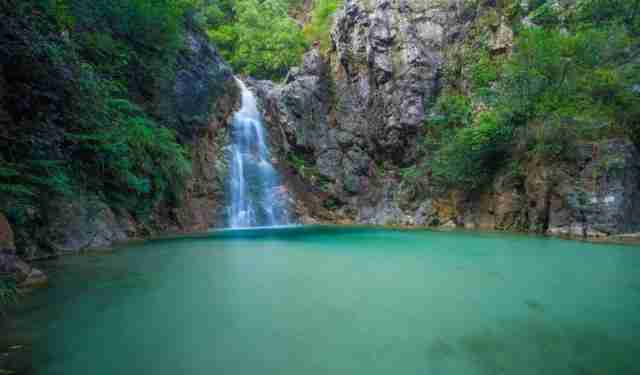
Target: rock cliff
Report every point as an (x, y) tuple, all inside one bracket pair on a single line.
[(348, 123)]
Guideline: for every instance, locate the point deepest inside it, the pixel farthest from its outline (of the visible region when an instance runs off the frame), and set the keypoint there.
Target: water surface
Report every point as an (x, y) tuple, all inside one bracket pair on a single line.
[(323, 300)]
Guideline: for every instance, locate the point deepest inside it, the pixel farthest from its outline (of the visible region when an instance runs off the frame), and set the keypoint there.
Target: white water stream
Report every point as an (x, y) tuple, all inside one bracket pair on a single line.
[(257, 198)]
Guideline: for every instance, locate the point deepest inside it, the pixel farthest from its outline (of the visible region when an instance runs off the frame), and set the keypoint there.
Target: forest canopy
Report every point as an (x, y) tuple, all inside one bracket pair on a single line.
[(257, 37)]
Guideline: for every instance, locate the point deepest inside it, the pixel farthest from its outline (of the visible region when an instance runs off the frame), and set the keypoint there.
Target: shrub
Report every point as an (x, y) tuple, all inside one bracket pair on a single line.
[(257, 37), (90, 122), (468, 158), (559, 85), (319, 28), (451, 110), (8, 294)]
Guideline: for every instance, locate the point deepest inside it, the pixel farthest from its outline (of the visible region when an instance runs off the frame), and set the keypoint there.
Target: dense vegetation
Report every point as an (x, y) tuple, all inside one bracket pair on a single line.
[(80, 82), (256, 37), (260, 38), (318, 30), (573, 75), (8, 294)]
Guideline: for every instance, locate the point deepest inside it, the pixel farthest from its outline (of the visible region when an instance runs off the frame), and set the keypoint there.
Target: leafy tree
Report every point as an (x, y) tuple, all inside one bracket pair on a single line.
[(578, 80), (319, 27), (257, 37), (8, 294), (269, 42), (470, 155), (80, 98)]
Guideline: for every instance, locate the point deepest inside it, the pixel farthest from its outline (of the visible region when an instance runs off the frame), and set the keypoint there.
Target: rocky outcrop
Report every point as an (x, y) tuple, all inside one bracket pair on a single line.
[(389, 56), (297, 116), (596, 196), (10, 264), (82, 223), (604, 198), (205, 95), (353, 119), (298, 112), (365, 105)]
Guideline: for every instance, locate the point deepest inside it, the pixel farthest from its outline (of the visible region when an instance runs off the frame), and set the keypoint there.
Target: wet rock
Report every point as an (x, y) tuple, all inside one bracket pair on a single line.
[(596, 196), (205, 95), (32, 278), (82, 224), (201, 88), (449, 225), (604, 199), (425, 215), (24, 273)]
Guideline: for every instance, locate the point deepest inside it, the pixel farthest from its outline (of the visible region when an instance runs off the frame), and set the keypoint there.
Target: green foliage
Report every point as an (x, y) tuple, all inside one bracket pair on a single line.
[(604, 13), (470, 155), (268, 41), (318, 29), (305, 170), (90, 73), (132, 153), (257, 37), (484, 71), (546, 15), (8, 294), (451, 110), (559, 85)]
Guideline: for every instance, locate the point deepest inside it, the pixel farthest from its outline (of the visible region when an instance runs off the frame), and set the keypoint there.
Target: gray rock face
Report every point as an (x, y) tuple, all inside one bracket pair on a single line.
[(385, 208), (605, 198), (202, 81), (359, 116), (205, 95), (597, 196), (389, 60), (83, 224), (297, 112), (369, 103)]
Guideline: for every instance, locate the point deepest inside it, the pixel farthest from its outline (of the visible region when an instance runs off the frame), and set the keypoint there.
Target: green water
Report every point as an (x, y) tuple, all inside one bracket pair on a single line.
[(325, 300)]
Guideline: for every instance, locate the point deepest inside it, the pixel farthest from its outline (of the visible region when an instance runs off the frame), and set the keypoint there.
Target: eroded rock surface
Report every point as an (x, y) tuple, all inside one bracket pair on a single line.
[(353, 119)]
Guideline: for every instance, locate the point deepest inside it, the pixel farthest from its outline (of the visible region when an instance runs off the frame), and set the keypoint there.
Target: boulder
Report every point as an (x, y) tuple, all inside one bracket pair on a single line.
[(82, 224), (35, 278), (24, 273)]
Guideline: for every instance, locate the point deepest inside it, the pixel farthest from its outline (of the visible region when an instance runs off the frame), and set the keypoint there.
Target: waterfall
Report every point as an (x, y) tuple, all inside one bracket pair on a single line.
[(257, 199)]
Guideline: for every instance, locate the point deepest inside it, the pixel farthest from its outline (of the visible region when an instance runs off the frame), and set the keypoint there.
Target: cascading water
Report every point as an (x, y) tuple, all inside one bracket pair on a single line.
[(256, 197)]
